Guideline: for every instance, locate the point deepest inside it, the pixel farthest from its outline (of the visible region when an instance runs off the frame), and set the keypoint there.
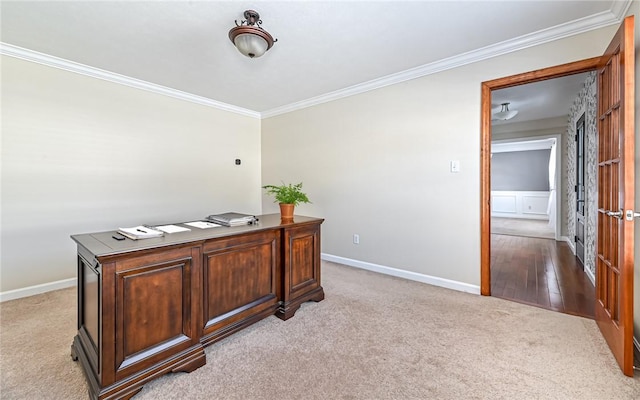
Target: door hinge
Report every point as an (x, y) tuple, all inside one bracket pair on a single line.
[(575, 137), (575, 188), (575, 239)]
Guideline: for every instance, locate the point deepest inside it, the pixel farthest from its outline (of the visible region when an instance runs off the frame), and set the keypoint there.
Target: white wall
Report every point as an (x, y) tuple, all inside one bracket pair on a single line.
[(81, 155), (377, 164)]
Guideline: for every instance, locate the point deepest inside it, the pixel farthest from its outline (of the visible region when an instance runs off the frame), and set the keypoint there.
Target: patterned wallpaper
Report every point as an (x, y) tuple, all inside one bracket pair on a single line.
[(585, 102)]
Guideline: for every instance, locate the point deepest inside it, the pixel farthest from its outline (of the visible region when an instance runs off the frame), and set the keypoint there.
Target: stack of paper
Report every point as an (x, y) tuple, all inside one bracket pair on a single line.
[(140, 232), (171, 228), (202, 224), (231, 219)]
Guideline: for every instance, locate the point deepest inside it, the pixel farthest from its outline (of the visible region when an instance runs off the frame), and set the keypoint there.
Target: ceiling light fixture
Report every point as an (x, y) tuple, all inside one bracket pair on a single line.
[(504, 114), (250, 39)]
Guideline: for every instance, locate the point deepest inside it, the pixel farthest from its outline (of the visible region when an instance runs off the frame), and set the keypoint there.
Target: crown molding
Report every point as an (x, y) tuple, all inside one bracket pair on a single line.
[(619, 8), (509, 145), (572, 28), (614, 16), (56, 62)]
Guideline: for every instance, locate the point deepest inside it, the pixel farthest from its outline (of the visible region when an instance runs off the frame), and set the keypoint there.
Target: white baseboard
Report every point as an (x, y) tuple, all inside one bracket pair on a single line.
[(636, 344), (414, 276), (591, 276), (587, 271), (572, 245), (37, 289), (537, 217)]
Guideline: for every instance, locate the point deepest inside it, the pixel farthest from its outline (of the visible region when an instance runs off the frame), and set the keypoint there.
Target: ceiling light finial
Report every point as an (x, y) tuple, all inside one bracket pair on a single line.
[(504, 114), (249, 37)]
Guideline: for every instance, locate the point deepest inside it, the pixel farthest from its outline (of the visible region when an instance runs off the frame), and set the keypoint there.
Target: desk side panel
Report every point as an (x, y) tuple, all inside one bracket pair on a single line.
[(89, 312), (155, 308), (239, 282), (301, 268)]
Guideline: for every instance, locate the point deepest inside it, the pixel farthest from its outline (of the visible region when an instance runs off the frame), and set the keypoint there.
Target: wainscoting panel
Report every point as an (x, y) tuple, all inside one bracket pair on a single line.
[(503, 203), (519, 204)]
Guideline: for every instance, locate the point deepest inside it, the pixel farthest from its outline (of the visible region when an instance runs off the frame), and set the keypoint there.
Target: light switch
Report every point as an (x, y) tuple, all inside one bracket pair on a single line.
[(455, 165)]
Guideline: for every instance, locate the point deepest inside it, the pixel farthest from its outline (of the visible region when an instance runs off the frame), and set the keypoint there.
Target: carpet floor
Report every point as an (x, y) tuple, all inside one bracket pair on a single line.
[(522, 227), (373, 337)]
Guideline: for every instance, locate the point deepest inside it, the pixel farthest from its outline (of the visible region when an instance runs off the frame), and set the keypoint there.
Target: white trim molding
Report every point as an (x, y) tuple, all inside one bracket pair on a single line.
[(591, 276), (636, 344), (56, 62), (596, 21), (570, 242), (413, 276), (37, 289), (520, 204), (572, 246), (619, 8)]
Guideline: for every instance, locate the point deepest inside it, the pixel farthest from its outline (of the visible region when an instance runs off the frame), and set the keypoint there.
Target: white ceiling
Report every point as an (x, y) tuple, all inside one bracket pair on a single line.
[(545, 99), (325, 49)]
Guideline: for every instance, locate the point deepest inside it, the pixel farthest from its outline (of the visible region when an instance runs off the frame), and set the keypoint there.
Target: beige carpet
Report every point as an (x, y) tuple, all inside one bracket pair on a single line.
[(522, 227), (373, 337)]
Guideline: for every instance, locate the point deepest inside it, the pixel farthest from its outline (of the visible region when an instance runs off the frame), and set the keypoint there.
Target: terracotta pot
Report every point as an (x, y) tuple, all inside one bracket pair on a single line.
[(286, 211)]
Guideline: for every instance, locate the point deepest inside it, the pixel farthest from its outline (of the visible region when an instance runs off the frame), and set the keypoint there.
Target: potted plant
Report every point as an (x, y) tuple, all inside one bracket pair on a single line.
[(288, 196)]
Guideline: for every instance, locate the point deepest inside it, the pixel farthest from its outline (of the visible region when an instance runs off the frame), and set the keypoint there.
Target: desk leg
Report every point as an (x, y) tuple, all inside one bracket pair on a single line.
[(288, 309), (74, 356)]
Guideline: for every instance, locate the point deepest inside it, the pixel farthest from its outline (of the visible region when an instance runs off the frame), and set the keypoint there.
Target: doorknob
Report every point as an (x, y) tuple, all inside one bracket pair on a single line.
[(615, 214), (630, 215)]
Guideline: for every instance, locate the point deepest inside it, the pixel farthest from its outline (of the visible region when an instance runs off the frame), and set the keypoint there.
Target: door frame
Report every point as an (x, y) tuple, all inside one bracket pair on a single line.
[(558, 71), (581, 217)]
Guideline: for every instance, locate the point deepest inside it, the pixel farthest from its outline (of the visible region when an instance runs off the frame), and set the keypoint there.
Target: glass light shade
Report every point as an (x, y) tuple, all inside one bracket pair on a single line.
[(504, 114), (251, 45)]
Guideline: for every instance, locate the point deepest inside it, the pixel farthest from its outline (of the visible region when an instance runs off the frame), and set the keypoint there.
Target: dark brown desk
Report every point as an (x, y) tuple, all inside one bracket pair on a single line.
[(148, 307)]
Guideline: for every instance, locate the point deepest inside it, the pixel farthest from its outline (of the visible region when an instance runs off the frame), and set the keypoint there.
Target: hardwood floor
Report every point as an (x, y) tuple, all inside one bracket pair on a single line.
[(540, 272)]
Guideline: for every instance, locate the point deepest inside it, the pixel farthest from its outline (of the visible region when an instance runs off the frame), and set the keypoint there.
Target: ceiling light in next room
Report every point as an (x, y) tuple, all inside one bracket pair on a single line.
[(250, 39), (504, 114)]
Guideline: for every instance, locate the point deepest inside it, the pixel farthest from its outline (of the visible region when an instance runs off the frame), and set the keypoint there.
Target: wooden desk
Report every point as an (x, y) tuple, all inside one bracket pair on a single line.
[(148, 307)]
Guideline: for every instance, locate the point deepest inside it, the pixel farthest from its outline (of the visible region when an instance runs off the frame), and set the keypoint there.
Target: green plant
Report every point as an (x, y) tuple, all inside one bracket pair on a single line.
[(287, 194)]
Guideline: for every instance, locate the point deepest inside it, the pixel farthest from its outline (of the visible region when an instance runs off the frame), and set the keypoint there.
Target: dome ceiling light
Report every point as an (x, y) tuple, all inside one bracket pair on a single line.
[(250, 39), (504, 114)]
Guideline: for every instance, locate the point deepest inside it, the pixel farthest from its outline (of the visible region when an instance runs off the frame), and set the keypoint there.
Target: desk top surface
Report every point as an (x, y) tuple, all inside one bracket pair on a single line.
[(103, 243)]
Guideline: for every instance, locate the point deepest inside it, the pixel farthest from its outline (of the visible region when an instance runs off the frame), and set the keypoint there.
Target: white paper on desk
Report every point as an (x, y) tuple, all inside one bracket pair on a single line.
[(202, 224), (172, 228), (140, 232)]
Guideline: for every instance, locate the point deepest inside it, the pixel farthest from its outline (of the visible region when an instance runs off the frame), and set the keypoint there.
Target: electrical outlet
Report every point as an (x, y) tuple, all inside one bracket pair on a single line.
[(356, 238)]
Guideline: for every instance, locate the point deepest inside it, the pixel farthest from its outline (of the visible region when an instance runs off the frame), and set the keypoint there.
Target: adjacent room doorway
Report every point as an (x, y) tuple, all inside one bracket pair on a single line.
[(616, 189), (531, 263)]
